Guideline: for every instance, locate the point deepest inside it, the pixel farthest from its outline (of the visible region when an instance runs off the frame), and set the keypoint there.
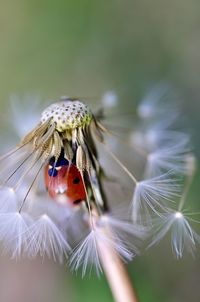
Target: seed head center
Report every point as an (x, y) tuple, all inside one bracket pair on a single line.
[(67, 115)]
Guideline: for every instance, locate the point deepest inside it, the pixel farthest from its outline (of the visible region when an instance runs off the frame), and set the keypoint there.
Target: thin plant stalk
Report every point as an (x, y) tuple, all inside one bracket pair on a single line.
[(117, 276)]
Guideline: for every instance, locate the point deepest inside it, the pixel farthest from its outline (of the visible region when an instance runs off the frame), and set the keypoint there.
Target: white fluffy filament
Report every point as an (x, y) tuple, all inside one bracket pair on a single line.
[(150, 194), (183, 237), (45, 239)]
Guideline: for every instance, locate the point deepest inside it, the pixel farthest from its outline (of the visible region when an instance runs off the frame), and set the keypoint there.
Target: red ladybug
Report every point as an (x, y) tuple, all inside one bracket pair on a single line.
[(64, 182)]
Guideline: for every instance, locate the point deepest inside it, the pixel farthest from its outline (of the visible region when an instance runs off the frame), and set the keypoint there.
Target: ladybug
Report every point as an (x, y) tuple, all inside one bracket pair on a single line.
[(63, 182)]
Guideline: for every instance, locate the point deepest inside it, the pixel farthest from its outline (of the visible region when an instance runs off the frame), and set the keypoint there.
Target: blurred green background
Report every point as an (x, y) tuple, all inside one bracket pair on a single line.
[(86, 47)]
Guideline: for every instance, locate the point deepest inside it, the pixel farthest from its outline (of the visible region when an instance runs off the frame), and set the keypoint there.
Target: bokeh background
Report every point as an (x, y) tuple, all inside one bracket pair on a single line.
[(84, 48)]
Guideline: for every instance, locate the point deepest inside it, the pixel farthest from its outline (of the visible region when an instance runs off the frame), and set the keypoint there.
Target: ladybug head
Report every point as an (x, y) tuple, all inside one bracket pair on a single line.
[(55, 166)]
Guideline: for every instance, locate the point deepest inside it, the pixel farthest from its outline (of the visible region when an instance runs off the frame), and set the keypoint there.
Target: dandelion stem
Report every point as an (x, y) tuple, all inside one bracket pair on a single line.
[(114, 269), (117, 275)]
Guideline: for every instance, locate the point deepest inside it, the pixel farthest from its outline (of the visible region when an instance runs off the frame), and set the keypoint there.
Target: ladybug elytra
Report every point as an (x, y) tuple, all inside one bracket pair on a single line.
[(64, 182)]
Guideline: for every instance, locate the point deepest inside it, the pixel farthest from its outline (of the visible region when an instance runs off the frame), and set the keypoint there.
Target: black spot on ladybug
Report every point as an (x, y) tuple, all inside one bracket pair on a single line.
[(76, 180), (77, 201)]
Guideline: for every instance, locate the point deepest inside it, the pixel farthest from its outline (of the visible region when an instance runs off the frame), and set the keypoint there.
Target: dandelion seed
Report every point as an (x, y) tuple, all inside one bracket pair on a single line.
[(151, 195), (155, 137), (156, 103), (123, 234), (86, 255), (166, 158), (45, 239), (108, 233), (183, 237), (14, 229)]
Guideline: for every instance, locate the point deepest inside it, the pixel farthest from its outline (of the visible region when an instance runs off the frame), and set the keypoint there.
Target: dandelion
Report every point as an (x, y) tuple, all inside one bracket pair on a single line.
[(61, 145), (54, 195)]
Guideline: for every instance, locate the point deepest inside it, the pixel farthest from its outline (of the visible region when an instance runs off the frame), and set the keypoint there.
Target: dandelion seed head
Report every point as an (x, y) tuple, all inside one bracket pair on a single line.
[(67, 115)]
